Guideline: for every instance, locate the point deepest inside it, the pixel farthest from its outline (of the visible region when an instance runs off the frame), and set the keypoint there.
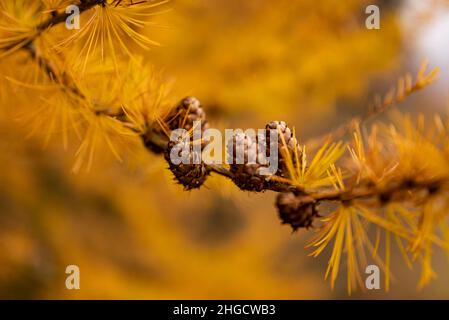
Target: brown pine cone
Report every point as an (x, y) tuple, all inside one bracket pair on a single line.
[(185, 113), (247, 176), (299, 211), (190, 175), (290, 141), (182, 116)]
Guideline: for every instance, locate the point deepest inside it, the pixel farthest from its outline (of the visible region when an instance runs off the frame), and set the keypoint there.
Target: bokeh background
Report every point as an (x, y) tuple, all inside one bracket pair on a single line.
[(134, 233)]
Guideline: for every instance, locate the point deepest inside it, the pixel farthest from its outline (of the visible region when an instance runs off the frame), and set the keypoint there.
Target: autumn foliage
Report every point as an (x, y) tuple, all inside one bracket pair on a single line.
[(364, 192)]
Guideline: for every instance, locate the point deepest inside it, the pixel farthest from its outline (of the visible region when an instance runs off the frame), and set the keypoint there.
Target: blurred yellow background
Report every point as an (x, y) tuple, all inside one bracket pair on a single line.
[(135, 234)]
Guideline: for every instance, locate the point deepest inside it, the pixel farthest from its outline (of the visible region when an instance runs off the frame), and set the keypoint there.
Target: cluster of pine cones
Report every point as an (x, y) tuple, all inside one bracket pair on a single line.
[(194, 174), (247, 176)]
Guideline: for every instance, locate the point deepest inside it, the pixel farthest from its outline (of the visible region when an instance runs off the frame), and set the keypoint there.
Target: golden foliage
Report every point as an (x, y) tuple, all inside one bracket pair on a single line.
[(110, 28), (17, 24), (396, 182), (95, 85)]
